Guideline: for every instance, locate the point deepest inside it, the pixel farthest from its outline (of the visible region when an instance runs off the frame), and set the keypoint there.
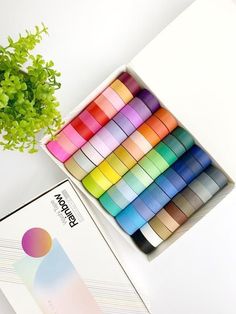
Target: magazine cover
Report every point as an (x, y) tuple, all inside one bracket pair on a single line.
[(53, 259)]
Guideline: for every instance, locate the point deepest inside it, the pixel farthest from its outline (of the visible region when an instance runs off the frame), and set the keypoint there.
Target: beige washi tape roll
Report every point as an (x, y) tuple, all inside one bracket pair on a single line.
[(160, 228)]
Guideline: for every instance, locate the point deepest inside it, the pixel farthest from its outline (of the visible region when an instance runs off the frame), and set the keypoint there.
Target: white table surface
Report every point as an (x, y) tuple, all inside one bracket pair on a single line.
[(88, 40)]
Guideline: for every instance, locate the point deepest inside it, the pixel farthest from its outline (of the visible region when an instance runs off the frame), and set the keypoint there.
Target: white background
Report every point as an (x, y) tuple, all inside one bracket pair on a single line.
[(88, 40)]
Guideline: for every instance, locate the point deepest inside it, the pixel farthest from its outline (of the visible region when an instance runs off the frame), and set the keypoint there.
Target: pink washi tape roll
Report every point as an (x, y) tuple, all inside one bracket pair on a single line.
[(55, 148), (74, 136), (89, 120), (106, 105), (113, 98)]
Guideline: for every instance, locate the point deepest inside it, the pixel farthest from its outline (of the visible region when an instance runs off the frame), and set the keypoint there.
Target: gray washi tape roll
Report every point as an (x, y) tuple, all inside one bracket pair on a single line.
[(218, 176), (209, 183), (83, 161), (192, 198), (198, 188), (186, 207)]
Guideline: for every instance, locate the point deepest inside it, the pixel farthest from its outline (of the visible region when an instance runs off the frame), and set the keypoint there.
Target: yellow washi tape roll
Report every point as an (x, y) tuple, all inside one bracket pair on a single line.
[(122, 91), (76, 171), (125, 156), (91, 185), (117, 164), (109, 172)]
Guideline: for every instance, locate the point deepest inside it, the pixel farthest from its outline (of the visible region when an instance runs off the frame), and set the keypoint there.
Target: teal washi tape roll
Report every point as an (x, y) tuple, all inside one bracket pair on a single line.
[(184, 137), (166, 153), (109, 204), (176, 146)]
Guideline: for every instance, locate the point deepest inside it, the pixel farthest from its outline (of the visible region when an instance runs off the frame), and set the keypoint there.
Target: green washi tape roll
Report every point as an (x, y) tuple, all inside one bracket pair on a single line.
[(109, 204), (166, 153), (158, 160), (141, 175), (134, 182), (149, 167), (92, 186), (175, 145), (184, 137)]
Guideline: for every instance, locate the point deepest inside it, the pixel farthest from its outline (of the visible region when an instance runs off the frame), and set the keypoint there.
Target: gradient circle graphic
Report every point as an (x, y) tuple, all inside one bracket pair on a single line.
[(36, 242)]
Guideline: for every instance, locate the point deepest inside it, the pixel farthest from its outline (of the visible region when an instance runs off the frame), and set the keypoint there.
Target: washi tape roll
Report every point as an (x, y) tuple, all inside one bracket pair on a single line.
[(100, 145), (184, 137), (72, 166), (167, 118), (98, 114), (73, 135), (129, 82), (143, 210), (132, 114), (167, 220), (142, 243), (117, 164), (125, 189), (124, 123), (133, 148), (83, 161), (149, 167), (90, 121), (107, 138), (199, 189), (110, 204), (192, 198), (174, 178), (166, 186), (175, 213), (140, 175), (141, 141), (185, 206), (149, 99), (96, 183), (161, 230), (82, 128), (154, 198), (111, 100), (140, 107), (65, 143), (127, 159), (172, 142), (149, 134), (130, 220), (202, 157), (109, 172), (157, 160), (92, 153), (122, 91), (217, 175), (55, 148), (166, 153), (158, 126), (133, 182), (208, 183)]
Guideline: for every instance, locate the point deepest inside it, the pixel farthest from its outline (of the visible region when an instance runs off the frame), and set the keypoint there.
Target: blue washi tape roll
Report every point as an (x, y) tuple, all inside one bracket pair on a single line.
[(175, 178), (130, 220), (126, 190), (202, 157), (142, 209), (115, 131), (166, 185), (154, 197), (124, 123), (181, 168)]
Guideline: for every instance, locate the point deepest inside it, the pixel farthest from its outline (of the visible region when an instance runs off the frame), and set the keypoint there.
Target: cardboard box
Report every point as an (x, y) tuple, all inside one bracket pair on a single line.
[(190, 67), (54, 259)]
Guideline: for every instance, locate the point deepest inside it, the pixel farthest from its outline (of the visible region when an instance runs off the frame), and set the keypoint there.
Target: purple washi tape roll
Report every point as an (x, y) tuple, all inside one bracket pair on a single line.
[(140, 107), (132, 115), (149, 99), (124, 123)]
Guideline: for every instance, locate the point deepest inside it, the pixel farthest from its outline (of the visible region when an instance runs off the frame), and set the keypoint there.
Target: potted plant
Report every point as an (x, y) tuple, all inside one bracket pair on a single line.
[(27, 93)]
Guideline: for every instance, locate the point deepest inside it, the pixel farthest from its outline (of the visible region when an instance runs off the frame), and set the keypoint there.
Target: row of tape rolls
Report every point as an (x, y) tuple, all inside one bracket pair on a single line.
[(144, 169)]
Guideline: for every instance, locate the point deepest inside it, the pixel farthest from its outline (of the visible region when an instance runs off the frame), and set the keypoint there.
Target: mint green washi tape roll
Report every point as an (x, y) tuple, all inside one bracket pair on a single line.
[(158, 160), (149, 167), (184, 137), (134, 182), (166, 153), (110, 204)]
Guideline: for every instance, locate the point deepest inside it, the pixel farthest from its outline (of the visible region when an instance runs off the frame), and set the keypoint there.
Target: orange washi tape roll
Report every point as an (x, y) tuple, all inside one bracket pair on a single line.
[(158, 126), (149, 134), (122, 91), (167, 118)]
